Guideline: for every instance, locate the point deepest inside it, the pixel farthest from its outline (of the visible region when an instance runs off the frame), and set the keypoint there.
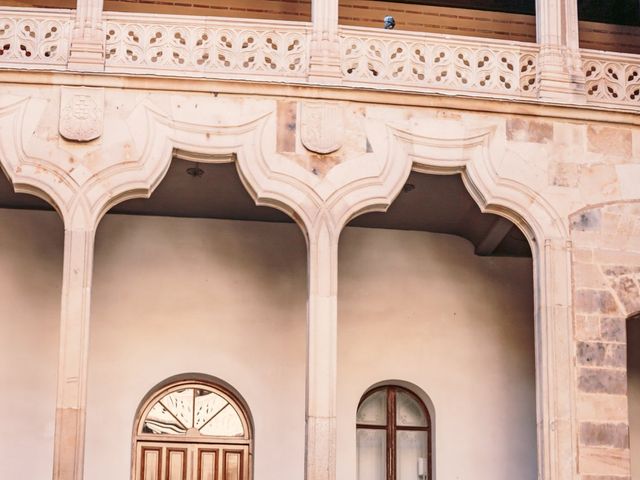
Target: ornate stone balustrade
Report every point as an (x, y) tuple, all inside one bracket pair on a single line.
[(436, 63), (35, 38), (279, 51), (205, 46), (612, 78)]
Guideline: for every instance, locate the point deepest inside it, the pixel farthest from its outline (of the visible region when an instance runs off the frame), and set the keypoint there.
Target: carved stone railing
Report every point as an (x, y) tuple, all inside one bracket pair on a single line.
[(429, 62), (35, 37), (278, 51), (612, 78), (206, 46)]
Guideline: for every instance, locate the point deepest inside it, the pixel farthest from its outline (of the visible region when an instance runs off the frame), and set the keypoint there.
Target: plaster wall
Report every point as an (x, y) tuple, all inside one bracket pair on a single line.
[(30, 281), (423, 309), (222, 298), (633, 342), (228, 299)]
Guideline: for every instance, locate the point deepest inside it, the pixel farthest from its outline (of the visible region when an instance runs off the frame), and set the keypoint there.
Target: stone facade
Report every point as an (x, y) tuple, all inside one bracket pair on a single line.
[(550, 159)]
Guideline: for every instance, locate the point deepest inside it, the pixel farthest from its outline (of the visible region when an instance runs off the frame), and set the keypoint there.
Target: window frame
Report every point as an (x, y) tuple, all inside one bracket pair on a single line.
[(392, 427)]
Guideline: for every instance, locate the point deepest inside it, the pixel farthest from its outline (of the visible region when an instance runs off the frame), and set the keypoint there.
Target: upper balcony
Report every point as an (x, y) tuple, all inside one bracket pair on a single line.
[(520, 54)]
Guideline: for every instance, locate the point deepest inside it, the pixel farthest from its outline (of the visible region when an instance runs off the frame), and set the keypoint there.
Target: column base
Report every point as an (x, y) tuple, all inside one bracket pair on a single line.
[(324, 63), (86, 55)]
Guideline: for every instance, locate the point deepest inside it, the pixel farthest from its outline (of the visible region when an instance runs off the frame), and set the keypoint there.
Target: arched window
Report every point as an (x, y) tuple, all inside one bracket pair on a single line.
[(192, 431), (393, 435)]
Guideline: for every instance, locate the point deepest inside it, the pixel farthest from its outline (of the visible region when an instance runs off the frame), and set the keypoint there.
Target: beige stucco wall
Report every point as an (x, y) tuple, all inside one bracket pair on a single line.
[(219, 297), (228, 299), (423, 309), (633, 342), (30, 281)]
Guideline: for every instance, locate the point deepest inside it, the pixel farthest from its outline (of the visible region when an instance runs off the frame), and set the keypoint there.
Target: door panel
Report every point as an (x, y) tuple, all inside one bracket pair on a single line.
[(232, 465), (207, 464), (189, 461), (150, 463), (176, 464)]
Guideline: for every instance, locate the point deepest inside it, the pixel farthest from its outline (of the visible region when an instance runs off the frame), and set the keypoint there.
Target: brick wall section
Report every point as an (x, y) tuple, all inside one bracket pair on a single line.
[(369, 13), (606, 290)]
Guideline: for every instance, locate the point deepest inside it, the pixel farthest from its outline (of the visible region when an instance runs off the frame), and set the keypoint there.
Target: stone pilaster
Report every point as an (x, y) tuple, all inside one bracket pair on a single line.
[(74, 347), (606, 285), (322, 353), (87, 40), (324, 66), (559, 65)]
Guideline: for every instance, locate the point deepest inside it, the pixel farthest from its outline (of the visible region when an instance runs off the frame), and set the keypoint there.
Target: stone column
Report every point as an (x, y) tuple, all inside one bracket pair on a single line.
[(554, 363), (72, 361), (559, 66), (87, 40), (322, 353), (324, 61)]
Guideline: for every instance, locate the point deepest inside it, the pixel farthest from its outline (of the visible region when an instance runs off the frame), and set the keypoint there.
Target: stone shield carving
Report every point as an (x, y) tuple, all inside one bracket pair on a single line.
[(321, 127), (81, 113)]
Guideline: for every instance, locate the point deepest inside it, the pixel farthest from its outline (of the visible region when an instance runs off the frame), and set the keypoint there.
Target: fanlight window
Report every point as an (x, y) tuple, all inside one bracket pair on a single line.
[(194, 411), (192, 431)]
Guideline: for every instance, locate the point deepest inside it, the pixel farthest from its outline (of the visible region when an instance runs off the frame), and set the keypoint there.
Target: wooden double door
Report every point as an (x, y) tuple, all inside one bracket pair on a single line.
[(191, 461)]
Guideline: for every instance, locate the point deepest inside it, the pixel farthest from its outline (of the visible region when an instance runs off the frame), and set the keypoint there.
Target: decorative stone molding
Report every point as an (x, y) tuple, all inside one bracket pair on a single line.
[(612, 78), (469, 155), (34, 38), (81, 113), (202, 46), (321, 127), (428, 62)]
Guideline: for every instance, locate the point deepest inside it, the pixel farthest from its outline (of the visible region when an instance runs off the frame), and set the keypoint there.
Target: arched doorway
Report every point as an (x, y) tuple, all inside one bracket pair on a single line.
[(192, 431)]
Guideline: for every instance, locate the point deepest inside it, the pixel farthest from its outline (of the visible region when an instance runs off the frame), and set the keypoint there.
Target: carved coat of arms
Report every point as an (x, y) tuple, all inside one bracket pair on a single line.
[(321, 127), (81, 113)]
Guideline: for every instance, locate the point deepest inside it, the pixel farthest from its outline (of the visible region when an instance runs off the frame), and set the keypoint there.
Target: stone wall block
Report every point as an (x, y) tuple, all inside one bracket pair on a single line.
[(609, 140), (595, 407), (595, 301), (523, 130), (587, 327), (601, 380), (628, 293), (613, 329), (612, 462), (591, 353), (616, 356), (615, 435)]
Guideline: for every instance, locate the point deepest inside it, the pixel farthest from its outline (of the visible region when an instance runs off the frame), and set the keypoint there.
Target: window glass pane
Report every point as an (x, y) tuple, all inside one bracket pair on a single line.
[(159, 420), (409, 411), (373, 411), (372, 451), (180, 403), (227, 423), (411, 455), (207, 405)]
